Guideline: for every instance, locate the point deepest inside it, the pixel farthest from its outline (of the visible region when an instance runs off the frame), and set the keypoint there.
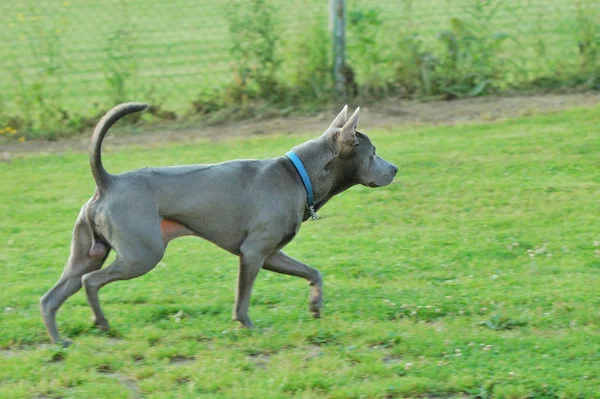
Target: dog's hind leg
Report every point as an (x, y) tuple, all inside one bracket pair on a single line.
[(138, 251), (281, 263), (80, 262)]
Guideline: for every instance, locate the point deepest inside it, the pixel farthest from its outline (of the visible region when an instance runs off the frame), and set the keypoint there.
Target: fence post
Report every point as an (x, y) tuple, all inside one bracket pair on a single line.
[(337, 26)]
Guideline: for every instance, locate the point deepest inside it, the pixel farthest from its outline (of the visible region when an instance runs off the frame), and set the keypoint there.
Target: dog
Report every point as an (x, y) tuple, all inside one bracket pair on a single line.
[(250, 208)]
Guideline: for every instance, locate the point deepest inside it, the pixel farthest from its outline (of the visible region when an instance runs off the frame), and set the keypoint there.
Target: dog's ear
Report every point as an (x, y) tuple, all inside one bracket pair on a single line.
[(340, 120), (345, 138)]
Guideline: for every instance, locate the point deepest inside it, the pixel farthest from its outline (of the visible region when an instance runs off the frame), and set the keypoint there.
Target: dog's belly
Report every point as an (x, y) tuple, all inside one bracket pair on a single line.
[(171, 229)]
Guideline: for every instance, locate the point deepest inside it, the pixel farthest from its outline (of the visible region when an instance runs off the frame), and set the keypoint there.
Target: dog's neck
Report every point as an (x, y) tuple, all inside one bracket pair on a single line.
[(326, 171)]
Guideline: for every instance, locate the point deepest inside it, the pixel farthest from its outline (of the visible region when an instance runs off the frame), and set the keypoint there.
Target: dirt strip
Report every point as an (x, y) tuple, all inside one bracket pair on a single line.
[(383, 115)]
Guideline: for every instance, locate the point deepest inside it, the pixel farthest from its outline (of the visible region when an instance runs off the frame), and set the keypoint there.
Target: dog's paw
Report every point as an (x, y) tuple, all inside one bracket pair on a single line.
[(245, 321), (316, 298), (102, 324), (64, 343), (316, 303)]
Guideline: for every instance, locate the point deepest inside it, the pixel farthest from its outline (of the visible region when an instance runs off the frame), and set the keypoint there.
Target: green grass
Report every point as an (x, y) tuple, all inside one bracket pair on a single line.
[(427, 293)]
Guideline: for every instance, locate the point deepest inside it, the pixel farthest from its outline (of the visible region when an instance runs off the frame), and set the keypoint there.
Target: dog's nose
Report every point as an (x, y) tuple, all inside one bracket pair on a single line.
[(394, 169)]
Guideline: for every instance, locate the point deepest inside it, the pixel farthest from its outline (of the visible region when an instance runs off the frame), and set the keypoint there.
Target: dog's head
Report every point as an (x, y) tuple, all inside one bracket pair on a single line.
[(355, 153)]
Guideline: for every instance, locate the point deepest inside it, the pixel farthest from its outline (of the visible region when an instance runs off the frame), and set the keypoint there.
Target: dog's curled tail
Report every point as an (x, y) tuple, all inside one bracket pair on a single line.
[(100, 174)]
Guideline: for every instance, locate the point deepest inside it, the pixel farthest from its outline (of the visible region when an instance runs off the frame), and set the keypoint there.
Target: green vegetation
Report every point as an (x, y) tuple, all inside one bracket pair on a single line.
[(475, 274), (64, 62)]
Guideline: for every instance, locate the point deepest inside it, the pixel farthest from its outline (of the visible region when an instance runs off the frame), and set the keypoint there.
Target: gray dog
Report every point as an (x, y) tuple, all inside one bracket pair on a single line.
[(250, 208)]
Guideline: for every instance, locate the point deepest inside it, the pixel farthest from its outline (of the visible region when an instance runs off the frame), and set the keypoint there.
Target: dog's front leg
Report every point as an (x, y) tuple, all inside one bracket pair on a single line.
[(251, 261), (281, 263)]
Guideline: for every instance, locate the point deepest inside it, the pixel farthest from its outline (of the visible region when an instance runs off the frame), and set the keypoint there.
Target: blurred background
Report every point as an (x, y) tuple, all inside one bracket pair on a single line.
[(65, 62)]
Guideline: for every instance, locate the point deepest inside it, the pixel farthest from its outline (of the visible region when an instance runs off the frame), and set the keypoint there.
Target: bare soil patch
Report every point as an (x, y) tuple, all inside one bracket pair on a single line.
[(383, 115), (180, 360)]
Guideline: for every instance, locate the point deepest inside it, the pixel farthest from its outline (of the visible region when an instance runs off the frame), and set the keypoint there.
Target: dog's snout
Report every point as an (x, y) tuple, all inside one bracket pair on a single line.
[(394, 169)]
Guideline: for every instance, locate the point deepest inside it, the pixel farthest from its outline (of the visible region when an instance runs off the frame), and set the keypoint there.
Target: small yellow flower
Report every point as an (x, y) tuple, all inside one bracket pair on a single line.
[(58, 31), (21, 139), (20, 17), (12, 131), (22, 37), (11, 24), (35, 18), (66, 4), (64, 20)]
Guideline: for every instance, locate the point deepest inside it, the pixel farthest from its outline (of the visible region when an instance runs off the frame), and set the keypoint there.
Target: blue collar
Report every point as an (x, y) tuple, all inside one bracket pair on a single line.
[(305, 180)]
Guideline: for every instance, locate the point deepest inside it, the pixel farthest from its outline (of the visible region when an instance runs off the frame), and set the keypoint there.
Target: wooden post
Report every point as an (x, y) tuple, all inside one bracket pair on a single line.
[(337, 26)]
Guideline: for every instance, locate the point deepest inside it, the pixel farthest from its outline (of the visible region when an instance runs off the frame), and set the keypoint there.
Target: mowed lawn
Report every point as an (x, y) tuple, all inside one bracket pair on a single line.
[(475, 274)]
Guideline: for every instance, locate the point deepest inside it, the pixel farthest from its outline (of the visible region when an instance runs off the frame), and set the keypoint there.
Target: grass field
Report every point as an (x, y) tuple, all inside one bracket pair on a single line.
[(65, 60), (475, 274)]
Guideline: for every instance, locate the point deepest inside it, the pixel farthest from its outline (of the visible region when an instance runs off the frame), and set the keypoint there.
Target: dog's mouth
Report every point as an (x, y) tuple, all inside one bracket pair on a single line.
[(379, 184)]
